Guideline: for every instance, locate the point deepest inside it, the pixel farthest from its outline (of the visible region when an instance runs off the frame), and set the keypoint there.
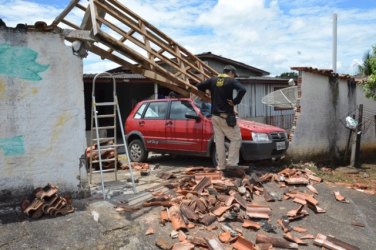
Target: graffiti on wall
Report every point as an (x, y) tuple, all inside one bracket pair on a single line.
[(20, 62), (13, 146)]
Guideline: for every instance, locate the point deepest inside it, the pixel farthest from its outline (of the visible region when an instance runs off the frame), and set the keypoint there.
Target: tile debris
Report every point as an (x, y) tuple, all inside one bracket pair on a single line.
[(213, 203), (47, 201)]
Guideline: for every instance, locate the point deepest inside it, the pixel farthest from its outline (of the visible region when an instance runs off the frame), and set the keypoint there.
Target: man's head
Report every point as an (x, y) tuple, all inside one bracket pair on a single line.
[(230, 70)]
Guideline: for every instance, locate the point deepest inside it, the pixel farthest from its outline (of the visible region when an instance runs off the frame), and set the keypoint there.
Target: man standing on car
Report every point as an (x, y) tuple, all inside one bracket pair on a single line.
[(223, 115)]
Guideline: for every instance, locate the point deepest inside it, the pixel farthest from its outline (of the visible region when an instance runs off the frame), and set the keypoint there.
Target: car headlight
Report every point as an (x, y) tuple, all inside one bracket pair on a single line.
[(260, 137)]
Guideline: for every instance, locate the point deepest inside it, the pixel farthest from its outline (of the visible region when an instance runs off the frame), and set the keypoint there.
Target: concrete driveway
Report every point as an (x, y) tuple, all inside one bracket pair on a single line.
[(97, 225)]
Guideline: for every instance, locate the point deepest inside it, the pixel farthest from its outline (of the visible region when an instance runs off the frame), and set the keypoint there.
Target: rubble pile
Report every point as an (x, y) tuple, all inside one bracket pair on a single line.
[(47, 201), (108, 155), (216, 203)]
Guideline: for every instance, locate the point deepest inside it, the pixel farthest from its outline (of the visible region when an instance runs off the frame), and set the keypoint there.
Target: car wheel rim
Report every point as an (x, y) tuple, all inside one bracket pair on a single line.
[(135, 152)]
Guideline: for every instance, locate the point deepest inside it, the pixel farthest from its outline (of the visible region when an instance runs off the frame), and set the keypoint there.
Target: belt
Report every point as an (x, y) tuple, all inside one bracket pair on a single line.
[(223, 115)]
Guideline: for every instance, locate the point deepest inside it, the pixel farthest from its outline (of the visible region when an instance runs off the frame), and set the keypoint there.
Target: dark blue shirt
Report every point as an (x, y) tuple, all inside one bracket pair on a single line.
[(221, 89)]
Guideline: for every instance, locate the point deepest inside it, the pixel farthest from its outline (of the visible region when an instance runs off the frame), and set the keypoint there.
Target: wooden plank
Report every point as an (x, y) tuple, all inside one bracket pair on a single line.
[(65, 12), (94, 14), (184, 69), (130, 23)]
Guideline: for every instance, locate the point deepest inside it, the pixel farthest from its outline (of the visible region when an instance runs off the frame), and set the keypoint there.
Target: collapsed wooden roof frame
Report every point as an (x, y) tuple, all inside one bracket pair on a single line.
[(120, 35)]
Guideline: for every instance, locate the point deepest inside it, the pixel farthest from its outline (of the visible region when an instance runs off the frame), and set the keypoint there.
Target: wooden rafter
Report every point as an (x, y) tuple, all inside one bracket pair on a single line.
[(130, 41)]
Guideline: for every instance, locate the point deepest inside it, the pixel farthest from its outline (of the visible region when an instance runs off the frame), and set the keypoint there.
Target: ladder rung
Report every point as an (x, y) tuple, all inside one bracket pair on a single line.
[(104, 139), (105, 103), (104, 170), (111, 146), (106, 116), (104, 160), (106, 127), (104, 149)]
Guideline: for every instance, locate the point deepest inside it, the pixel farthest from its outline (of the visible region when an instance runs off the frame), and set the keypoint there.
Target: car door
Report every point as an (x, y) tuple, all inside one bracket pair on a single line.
[(183, 134), (152, 125)]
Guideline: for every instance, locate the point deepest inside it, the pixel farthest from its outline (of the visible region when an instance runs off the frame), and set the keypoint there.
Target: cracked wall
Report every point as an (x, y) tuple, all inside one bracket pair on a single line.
[(319, 131), (42, 133)]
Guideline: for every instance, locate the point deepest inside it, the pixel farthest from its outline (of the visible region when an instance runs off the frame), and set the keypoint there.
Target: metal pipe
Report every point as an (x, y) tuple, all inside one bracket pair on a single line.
[(334, 58), (155, 91)]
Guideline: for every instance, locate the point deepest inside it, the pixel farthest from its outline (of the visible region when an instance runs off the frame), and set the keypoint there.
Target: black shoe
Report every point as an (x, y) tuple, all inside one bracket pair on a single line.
[(234, 173)]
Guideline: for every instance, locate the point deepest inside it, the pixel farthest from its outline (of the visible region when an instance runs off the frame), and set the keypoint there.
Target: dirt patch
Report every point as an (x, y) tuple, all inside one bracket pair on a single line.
[(362, 178)]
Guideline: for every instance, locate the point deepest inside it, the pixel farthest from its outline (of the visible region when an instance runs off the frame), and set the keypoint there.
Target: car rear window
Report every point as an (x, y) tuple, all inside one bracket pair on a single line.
[(156, 110)]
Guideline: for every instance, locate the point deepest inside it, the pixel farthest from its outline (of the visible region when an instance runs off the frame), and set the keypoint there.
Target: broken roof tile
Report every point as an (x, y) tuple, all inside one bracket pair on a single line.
[(251, 224), (299, 229), (225, 236), (188, 212), (203, 183), (208, 219), (312, 189), (296, 181), (220, 210), (289, 236), (276, 242), (184, 245), (149, 231), (332, 243), (176, 218), (214, 244), (340, 197), (243, 244)]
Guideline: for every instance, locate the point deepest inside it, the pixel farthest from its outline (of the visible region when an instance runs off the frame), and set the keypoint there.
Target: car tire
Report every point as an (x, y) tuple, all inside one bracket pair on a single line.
[(137, 151)]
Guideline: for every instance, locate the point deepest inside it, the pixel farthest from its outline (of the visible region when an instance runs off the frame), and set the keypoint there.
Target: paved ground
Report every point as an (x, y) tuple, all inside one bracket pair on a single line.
[(96, 225)]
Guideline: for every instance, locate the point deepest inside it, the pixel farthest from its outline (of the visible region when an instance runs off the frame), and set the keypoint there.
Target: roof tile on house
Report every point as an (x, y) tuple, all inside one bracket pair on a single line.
[(325, 72)]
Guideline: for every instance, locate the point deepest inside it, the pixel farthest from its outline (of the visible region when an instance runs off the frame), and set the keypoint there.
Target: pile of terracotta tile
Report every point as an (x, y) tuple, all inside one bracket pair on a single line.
[(107, 155), (47, 201), (201, 197)]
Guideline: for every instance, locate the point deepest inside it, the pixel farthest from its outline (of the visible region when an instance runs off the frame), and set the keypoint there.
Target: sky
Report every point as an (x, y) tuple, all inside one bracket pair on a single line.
[(272, 35)]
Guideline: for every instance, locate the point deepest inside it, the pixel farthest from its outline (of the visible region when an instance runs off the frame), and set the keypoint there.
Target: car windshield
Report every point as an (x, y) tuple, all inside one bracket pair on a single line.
[(205, 107)]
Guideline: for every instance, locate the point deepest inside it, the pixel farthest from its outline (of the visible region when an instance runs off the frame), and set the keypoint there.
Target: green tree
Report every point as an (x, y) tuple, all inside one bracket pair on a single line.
[(288, 75), (369, 69)]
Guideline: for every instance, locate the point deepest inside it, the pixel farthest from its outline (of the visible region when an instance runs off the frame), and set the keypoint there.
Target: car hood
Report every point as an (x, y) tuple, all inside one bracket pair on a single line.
[(258, 127)]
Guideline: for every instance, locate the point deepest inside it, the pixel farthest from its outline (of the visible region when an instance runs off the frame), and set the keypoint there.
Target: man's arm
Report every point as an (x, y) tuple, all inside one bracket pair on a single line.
[(204, 85), (240, 92)]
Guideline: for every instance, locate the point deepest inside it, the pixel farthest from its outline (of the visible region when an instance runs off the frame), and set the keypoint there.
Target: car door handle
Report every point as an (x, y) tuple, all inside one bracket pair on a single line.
[(141, 123), (169, 123)]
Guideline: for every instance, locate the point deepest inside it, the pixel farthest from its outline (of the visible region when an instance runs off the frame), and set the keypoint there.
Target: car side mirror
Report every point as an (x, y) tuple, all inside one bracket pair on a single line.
[(192, 115)]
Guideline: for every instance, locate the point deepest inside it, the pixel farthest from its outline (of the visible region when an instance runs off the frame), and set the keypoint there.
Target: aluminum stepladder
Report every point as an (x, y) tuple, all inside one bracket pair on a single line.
[(95, 126)]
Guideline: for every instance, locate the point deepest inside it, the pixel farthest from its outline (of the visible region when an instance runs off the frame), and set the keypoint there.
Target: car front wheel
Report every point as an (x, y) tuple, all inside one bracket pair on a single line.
[(137, 151)]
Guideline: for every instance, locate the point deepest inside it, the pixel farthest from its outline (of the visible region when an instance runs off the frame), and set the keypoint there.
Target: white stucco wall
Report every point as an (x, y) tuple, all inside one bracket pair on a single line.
[(320, 129), (42, 117)]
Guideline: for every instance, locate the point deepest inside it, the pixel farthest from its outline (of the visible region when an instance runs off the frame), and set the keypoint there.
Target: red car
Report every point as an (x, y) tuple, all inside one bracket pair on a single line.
[(183, 126)]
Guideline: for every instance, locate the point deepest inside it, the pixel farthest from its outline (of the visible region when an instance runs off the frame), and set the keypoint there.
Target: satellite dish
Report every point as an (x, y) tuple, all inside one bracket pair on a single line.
[(283, 98)]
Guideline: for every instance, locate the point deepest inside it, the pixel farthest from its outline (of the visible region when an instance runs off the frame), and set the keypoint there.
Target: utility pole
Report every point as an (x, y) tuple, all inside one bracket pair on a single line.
[(356, 143), (334, 55)]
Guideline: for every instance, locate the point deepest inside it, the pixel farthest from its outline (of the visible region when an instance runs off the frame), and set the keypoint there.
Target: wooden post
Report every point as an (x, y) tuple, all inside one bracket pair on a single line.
[(348, 145), (356, 143)]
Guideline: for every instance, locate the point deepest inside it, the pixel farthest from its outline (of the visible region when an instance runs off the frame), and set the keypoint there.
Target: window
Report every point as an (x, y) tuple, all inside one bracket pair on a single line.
[(140, 111), (179, 109), (156, 110), (205, 107)]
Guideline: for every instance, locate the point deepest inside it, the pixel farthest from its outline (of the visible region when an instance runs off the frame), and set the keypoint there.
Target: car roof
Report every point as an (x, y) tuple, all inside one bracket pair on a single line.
[(165, 99)]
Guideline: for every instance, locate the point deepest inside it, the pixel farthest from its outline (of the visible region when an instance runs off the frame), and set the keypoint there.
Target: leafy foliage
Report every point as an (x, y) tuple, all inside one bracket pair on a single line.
[(369, 69), (288, 75)]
